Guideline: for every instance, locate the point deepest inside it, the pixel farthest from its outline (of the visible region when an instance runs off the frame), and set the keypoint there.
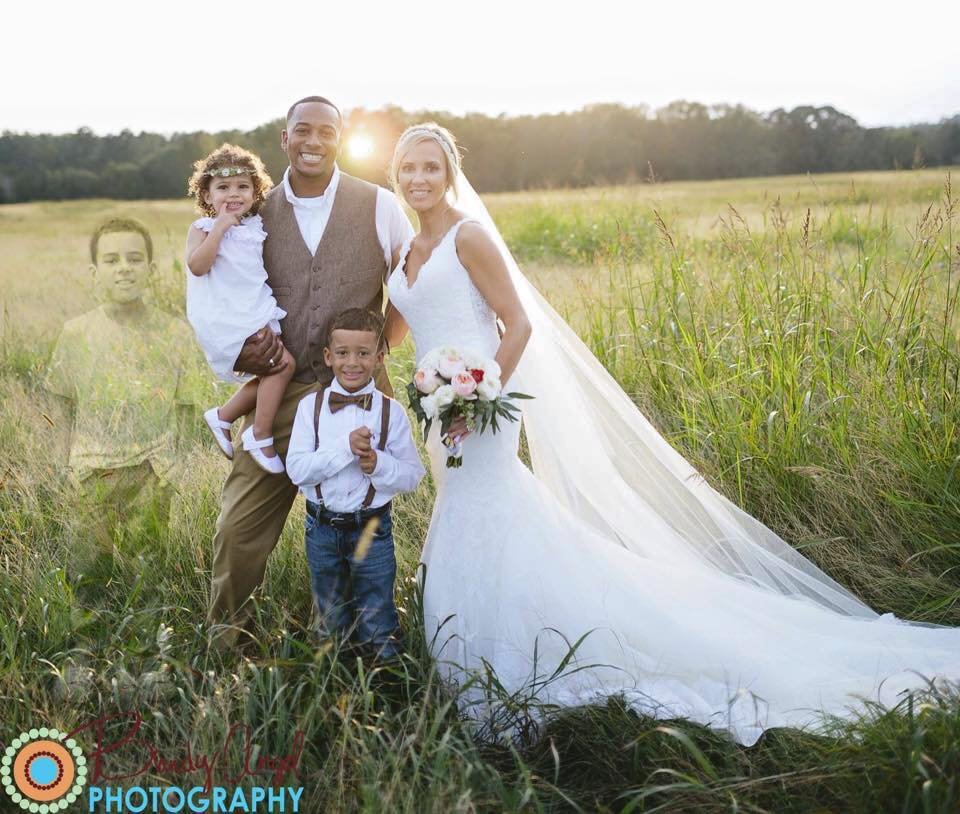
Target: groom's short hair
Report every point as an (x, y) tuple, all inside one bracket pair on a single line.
[(357, 319), (321, 99)]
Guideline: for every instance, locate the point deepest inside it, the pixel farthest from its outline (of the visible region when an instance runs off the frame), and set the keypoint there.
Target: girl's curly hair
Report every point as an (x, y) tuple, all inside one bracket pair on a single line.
[(228, 155)]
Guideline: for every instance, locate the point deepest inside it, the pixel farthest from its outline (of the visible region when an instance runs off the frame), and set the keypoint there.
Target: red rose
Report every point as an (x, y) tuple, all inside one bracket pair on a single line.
[(477, 375)]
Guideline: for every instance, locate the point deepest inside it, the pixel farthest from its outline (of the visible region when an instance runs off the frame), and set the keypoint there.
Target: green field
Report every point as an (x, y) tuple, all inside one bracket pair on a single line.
[(797, 338)]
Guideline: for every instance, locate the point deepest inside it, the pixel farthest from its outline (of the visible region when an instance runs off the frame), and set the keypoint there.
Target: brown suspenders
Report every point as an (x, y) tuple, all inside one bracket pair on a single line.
[(317, 407), (381, 445)]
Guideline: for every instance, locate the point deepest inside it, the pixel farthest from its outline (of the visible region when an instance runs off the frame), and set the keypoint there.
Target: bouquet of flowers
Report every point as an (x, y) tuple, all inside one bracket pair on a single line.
[(451, 383)]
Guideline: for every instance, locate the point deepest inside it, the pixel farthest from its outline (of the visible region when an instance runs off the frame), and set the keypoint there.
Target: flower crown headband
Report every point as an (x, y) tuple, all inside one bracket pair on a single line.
[(425, 133), (227, 172)]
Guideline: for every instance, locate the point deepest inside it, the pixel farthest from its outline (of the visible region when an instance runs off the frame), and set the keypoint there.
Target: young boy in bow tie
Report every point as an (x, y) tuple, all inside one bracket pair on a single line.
[(351, 451)]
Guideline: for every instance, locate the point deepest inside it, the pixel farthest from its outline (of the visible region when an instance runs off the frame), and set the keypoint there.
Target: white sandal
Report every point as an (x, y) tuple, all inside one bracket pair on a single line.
[(273, 465), (212, 417)]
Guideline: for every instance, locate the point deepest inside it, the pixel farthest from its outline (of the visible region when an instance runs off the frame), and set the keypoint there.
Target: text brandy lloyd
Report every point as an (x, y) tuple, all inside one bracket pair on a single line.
[(111, 733)]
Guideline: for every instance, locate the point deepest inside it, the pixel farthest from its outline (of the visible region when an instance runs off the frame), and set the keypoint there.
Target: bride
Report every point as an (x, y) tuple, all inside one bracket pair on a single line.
[(613, 549)]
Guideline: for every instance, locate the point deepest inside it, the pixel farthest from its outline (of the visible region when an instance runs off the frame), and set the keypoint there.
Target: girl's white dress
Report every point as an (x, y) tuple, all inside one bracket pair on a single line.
[(233, 300), (513, 579)]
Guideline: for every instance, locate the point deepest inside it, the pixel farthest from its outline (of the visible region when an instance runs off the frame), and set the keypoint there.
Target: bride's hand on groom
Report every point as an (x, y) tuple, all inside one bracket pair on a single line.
[(259, 351)]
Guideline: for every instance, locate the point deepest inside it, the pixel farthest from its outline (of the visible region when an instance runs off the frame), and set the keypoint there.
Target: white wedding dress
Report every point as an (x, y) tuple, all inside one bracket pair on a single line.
[(737, 635)]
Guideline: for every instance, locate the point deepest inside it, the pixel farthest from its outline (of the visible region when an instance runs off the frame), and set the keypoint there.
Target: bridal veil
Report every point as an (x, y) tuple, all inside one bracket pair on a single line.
[(601, 458)]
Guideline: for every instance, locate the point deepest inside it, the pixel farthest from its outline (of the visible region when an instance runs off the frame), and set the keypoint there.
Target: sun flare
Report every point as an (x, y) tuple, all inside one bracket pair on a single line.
[(360, 146)]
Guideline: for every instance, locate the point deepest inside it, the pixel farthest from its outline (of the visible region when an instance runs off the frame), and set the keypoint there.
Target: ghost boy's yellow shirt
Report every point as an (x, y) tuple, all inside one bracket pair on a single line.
[(125, 380)]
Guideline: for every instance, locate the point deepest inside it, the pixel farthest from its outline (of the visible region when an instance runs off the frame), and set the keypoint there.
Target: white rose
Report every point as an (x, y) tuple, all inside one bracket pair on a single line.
[(444, 396), (491, 368), (426, 380), (474, 361), (489, 388), (450, 364), (429, 406), (431, 359)]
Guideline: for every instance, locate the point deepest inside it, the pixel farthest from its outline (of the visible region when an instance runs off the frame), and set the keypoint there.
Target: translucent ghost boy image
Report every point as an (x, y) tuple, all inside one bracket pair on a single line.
[(128, 378)]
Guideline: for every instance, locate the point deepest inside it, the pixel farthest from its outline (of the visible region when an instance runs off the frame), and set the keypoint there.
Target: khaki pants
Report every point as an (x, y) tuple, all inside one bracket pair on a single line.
[(253, 509)]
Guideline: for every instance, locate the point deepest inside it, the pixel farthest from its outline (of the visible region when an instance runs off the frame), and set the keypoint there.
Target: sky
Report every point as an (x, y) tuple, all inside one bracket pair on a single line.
[(180, 66)]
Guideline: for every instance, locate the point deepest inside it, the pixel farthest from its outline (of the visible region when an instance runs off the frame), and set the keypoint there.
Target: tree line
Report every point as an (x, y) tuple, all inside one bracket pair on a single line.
[(600, 144)]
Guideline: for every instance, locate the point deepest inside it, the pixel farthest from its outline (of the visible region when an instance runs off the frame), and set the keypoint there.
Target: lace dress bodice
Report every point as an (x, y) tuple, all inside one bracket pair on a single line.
[(443, 306)]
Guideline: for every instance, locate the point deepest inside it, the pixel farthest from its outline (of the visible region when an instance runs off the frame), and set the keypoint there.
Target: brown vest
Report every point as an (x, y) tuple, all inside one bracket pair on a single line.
[(348, 270)]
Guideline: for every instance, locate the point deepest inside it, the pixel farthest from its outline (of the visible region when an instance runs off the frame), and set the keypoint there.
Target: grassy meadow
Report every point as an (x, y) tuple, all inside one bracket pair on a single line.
[(797, 338)]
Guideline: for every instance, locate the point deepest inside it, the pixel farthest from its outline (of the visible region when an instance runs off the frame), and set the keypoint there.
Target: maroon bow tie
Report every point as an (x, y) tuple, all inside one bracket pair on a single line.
[(339, 400)]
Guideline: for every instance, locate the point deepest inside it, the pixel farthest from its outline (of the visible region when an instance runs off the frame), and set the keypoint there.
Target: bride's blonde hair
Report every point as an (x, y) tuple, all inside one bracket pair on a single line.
[(427, 131)]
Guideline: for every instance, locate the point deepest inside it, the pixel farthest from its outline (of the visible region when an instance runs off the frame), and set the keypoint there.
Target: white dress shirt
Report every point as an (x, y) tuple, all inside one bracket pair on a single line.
[(335, 468), (393, 226)]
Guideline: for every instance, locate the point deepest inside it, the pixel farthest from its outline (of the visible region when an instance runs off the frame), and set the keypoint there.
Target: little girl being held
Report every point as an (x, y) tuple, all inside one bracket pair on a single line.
[(228, 298)]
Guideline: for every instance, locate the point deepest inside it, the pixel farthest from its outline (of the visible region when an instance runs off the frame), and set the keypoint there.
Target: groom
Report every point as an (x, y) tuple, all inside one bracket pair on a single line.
[(331, 241)]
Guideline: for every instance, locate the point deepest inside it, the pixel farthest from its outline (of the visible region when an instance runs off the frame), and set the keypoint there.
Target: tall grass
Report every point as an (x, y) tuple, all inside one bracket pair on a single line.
[(802, 352), (814, 383)]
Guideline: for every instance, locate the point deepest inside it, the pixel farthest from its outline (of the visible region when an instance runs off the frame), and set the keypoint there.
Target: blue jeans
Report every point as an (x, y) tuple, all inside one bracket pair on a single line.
[(355, 596)]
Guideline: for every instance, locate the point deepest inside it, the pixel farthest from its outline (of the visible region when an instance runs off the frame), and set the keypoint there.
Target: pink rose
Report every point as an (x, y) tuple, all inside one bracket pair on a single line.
[(463, 384), (450, 364), (427, 380)]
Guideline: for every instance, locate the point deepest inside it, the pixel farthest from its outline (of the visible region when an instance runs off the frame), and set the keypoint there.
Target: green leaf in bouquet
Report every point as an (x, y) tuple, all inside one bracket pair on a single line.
[(485, 417), (519, 396), (414, 396)]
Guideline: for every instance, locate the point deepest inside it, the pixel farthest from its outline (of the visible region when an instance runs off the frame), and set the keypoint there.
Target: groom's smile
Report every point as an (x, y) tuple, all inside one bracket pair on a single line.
[(311, 141)]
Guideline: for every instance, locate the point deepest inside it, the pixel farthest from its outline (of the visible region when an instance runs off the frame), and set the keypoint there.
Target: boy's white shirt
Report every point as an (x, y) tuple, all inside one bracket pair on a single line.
[(335, 468), (312, 214)]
